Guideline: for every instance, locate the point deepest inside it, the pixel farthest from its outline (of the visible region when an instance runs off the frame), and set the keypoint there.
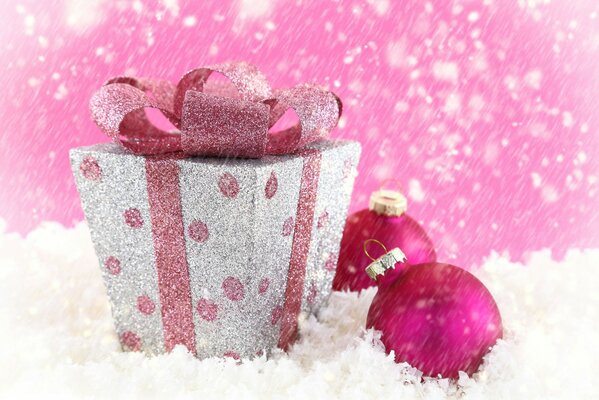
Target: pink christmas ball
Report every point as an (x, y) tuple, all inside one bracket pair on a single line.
[(437, 317), (395, 231)]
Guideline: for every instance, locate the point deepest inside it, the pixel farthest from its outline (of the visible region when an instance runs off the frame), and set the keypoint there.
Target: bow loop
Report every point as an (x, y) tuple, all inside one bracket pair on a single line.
[(224, 120), (318, 112), (250, 83)]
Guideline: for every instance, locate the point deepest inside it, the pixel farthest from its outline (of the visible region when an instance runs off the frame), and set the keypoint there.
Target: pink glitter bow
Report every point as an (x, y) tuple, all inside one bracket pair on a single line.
[(213, 120)]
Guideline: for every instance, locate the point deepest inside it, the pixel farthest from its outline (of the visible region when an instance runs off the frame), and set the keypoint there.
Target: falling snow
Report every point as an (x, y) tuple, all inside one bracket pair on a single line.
[(485, 113)]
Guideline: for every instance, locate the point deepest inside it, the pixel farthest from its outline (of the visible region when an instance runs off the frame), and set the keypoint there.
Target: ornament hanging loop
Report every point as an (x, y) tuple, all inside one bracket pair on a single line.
[(373, 241), (385, 262), (397, 183)]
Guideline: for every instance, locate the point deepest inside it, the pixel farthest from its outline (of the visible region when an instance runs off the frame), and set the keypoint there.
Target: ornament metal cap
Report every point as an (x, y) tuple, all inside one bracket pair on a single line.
[(387, 261), (388, 202)]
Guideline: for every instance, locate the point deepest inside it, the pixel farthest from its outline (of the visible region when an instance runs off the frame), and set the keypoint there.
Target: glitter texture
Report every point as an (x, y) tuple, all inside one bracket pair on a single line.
[(131, 341), (145, 305), (90, 169), (331, 264), (288, 227), (224, 120), (233, 289), (113, 265), (169, 248), (322, 220), (246, 246), (198, 231), (264, 283), (271, 186), (302, 238), (133, 218), (207, 309), (276, 315), (223, 126), (228, 185)]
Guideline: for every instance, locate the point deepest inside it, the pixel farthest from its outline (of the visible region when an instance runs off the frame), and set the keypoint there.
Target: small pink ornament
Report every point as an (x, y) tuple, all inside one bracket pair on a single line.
[(437, 317), (385, 220)]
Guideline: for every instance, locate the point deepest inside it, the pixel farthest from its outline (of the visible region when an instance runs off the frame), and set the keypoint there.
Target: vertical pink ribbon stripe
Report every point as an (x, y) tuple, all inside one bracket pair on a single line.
[(162, 175), (301, 245)]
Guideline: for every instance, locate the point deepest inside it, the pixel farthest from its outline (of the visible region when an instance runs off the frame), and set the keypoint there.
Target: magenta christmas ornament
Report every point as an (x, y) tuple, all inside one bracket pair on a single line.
[(437, 317), (385, 220)]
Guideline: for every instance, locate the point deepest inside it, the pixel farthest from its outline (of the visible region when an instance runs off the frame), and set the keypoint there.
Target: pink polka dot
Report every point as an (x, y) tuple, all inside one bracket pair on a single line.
[(133, 218), (233, 288), (271, 186), (312, 292), (228, 185), (276, 315), (113, 265), (232, 354), (145, 305), (90, 169), (130, 341), (198, 231), (264, 283), (322, 220), (260, 353), (288, 226), (207, 309), (331, 263)]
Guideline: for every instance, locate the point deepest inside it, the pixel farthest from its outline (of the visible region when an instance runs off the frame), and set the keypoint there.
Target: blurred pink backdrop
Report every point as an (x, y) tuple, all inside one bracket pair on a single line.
[(485, 110)]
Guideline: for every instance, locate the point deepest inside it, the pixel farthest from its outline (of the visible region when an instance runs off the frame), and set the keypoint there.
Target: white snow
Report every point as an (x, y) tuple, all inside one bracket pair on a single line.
[(533, 79), (415, 191), (396, 53), (172, 6), (84, 14), (445, 71), (473, 16), (453, 103), (61, 92), (567, 119), (29, 24), (549, 194), (190, 21), (381, 7), (137, 6), (57, 339), (255, 8)]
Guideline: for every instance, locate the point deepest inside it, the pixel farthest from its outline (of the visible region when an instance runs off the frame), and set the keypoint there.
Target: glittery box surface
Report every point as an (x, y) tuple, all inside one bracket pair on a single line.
[(239, 224)]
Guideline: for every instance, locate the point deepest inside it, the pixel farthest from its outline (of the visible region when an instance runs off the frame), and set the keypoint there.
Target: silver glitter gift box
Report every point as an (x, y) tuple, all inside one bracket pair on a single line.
[(220, 255)]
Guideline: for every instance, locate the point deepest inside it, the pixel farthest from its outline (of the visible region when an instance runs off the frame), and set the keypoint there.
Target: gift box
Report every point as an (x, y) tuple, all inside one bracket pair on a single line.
[(222, 248)]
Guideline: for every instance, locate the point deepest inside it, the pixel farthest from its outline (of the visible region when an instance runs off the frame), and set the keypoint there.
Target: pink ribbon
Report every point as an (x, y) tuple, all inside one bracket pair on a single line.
[(224, 120), (302, 237)]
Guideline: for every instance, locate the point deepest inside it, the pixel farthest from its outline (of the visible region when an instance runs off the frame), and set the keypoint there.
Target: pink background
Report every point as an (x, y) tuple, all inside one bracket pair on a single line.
[(485, 110)]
